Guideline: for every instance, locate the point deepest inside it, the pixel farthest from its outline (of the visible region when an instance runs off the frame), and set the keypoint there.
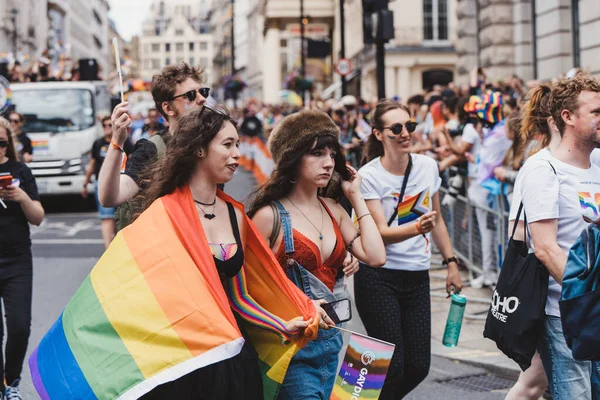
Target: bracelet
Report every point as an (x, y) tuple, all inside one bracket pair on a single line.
[(362, 216), (418, 225), (450, 260), (116, 146)]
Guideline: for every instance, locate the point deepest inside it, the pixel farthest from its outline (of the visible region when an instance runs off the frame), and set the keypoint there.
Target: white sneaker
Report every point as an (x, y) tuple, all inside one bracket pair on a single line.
[(13, 392), (478, 282)]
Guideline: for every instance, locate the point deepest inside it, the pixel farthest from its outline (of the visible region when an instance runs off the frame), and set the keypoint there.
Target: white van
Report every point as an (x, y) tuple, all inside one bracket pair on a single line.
[(61, 119)]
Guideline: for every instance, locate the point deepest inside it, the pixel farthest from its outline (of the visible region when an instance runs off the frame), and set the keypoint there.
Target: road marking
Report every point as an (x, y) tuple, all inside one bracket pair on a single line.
[(63, 229), (67, 241)]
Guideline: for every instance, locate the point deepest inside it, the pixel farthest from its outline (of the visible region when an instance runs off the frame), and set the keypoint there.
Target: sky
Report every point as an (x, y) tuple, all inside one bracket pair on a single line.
[(128, 16)]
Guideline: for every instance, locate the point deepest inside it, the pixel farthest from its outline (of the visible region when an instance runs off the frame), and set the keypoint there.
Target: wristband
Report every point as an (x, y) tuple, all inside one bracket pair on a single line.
[(449, 260), (418, 225), (116, 146)]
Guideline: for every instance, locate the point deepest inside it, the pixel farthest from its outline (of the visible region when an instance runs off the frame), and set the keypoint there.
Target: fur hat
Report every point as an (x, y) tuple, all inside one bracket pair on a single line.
[(297, 130)]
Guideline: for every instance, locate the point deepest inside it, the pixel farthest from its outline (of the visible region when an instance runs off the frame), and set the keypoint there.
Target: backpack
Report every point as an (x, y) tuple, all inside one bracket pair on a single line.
[(124, 211), (580, 300)]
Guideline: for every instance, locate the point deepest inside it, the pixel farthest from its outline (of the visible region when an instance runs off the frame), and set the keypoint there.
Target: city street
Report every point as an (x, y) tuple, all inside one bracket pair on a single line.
[(67, 246)]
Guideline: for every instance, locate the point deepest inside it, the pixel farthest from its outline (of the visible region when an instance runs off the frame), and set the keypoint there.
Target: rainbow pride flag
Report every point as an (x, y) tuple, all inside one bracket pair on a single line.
[(364, 369), (153, 309)]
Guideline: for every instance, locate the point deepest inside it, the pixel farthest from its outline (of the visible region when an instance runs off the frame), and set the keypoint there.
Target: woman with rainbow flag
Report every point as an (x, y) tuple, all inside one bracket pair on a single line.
[(170, 309)]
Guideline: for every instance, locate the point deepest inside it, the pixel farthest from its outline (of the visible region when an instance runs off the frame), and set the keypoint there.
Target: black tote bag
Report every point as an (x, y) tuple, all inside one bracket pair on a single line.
[(515, 319)]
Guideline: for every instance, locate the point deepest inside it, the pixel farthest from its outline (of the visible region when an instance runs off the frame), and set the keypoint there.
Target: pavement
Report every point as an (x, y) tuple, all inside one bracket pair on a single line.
[(67, 246)]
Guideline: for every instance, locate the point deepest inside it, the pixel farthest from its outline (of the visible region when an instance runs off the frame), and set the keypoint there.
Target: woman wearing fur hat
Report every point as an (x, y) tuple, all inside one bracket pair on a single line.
[(401, 192), (310, 171)]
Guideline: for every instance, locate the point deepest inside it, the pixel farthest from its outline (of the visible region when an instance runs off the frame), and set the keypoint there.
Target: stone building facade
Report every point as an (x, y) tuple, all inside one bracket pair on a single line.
[(535, 39)]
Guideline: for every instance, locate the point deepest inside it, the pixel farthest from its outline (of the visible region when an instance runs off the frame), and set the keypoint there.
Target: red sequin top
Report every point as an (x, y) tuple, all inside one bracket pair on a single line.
[(308, 255)]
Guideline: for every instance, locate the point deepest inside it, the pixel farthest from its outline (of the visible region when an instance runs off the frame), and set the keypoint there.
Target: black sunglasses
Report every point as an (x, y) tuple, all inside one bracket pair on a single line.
[(3, 144), (191, 95), (397, 128), (16, 121)]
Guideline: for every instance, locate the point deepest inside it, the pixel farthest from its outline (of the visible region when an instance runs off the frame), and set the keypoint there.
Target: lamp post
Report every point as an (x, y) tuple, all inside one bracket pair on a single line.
[(303, 21), (343, 44), (233, 92), (14, 13)]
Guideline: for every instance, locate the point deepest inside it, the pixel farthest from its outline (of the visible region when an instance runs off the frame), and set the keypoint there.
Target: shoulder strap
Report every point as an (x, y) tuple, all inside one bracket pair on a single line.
[(288, 230), (234, 223), (161, 146), (403, 191), (276, 225)]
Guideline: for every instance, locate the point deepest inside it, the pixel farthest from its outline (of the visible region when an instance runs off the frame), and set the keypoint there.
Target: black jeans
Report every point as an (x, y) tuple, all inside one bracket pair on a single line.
[(395, 306), (16, 279)]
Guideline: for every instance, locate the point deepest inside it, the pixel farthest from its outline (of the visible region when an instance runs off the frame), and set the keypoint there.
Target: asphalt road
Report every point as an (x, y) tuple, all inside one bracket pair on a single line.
[(67, 246)]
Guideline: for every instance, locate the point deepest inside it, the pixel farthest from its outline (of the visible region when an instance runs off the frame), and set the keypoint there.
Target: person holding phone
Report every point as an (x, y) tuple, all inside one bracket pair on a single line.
[(296, 211), (19, 207), (401, 193)]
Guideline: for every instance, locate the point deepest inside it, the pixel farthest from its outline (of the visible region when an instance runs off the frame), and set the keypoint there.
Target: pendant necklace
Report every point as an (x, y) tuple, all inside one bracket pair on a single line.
[(213, 205), (308, 219)]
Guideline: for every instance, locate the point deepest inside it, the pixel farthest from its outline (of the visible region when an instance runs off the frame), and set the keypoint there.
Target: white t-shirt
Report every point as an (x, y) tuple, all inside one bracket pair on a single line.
[(424, 181), (543, 154), (470, 135), (567, 196), (596, 157)]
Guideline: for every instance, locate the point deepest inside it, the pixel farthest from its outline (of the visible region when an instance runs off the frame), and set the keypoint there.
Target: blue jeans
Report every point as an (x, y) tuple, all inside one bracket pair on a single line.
[(567, 378), (312, 371)]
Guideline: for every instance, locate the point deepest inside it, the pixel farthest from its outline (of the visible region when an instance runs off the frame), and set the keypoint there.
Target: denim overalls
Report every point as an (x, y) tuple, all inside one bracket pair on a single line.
[(313, 369)]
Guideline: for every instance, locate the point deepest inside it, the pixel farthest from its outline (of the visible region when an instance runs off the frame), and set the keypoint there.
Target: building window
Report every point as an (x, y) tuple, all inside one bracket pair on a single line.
[(203, 46), (435, 20), (179, 60), (203, 61), (178, 32), (167, 46), (97, 41), (155, 47), (97, 17), (155, 63), (167, 61), (191, 46), (179, 47), (192, 60)]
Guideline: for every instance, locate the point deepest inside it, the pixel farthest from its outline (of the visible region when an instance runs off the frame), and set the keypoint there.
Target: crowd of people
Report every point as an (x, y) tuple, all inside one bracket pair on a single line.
[(355, 191), (43, 69)]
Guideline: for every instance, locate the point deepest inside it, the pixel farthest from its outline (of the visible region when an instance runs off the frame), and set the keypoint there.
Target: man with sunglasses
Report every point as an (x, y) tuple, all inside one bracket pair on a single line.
[(177, 90)]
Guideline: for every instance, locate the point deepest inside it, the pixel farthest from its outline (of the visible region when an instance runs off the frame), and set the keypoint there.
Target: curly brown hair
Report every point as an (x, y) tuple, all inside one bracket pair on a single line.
[(565, 96), (374, 147), (535, 115), (192, 133), (163, 84)]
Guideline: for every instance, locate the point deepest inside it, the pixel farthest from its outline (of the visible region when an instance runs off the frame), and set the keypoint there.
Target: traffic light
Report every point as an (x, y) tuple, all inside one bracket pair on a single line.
[(378, 21)]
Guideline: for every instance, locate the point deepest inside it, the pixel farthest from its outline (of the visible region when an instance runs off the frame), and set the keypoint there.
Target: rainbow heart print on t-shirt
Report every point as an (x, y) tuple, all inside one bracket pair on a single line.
[(590, 206), (413, 207)]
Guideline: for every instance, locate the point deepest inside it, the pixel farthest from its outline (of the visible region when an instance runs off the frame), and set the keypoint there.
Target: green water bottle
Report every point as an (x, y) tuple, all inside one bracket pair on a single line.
[(454, 321)]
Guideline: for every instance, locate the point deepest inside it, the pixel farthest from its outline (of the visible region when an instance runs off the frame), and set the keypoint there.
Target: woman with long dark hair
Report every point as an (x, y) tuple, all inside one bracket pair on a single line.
[(316, 232), (19, 207), (202, 155), (401, 192)]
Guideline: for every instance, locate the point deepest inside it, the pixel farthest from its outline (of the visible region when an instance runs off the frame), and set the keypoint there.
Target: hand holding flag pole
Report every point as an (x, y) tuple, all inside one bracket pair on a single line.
[(118, 62)]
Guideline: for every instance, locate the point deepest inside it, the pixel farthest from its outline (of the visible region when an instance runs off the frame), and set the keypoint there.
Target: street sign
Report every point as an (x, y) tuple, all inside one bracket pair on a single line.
[(343, 66)]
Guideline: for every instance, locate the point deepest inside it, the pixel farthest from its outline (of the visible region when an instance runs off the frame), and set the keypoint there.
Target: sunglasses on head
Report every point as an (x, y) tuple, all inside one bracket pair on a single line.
[(191, 95), (3, 144), (397, 128)]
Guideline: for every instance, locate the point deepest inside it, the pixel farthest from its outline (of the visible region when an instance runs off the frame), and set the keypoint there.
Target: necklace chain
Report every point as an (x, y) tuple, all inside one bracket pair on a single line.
[(206, 204), (308, 219), (207, 215)]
